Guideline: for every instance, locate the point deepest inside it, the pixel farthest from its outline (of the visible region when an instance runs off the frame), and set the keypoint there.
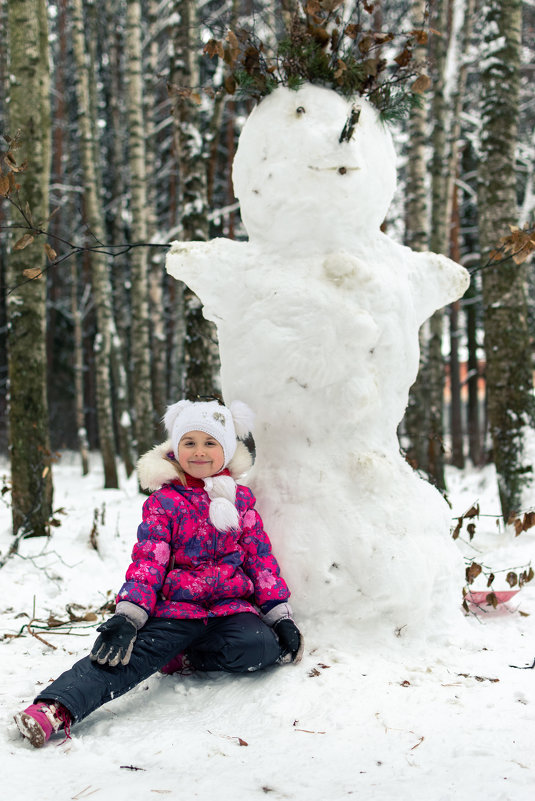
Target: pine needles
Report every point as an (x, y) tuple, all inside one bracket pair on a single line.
[(320, 47)]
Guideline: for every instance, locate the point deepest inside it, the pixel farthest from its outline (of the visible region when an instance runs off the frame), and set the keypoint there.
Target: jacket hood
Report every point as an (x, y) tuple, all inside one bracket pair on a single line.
[(155, 469)]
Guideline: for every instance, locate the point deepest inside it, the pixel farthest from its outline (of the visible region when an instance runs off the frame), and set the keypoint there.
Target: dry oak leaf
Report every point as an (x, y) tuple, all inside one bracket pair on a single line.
[(32, 272), (4, 185), (352, 30), (23, 242), (50, 252), (421, 84), (232, 51), (472, 572), (214, 48), (528, 521)]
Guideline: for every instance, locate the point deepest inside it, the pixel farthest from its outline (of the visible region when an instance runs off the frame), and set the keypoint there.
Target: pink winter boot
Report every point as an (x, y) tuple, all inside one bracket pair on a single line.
[(39, 721), (178, 664)]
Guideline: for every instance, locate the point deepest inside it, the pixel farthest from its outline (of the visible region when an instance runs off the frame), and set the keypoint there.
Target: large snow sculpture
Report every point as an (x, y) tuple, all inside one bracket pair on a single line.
[(318, 317)]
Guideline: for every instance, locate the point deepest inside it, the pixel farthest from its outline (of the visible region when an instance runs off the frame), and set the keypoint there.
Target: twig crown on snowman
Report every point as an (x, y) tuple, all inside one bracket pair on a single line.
[(325, 45)]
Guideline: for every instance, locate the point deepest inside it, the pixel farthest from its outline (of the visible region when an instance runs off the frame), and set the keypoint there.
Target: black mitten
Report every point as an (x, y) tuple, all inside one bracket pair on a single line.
[(115, 642), (290, 639)]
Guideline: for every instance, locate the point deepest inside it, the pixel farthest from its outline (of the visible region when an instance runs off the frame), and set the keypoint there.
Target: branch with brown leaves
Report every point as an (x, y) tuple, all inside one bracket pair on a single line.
[(518, 246), (520, 521), (32, 229), (79, 619)]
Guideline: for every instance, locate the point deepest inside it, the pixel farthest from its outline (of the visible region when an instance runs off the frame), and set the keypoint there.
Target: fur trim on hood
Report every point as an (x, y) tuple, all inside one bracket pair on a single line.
[(154, 468)]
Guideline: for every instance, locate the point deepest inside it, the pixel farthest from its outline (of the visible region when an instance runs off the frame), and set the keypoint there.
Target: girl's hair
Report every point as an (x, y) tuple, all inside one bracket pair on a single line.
[(179, 471)]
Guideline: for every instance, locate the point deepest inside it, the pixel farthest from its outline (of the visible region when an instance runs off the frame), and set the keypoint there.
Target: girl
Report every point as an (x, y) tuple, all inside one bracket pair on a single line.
[(203, 587)]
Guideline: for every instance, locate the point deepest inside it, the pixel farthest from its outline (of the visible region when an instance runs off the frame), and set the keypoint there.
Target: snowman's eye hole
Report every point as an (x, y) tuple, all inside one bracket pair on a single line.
[(342, 170), (300, 110)]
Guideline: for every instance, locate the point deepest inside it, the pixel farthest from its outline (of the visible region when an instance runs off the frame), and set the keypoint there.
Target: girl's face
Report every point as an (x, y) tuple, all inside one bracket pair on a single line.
[(200, 455)]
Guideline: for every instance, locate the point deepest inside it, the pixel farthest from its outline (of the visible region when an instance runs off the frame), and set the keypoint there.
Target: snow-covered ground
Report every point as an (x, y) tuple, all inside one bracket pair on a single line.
[(390, 720)]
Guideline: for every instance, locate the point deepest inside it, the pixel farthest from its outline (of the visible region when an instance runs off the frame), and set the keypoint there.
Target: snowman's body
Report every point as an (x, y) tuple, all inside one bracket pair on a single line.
[(318, 317)]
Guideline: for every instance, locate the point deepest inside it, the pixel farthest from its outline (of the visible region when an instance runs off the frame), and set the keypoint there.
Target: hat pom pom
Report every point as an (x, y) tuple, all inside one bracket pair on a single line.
[(172, 413), (223, 514), (243, 418)]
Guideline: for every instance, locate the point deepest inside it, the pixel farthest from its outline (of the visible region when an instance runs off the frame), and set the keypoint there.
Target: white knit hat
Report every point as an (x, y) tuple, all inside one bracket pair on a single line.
[(208, 416), (226, 426)]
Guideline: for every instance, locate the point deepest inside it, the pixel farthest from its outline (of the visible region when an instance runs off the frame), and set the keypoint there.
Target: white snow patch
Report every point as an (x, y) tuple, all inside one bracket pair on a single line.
[(384, 719)]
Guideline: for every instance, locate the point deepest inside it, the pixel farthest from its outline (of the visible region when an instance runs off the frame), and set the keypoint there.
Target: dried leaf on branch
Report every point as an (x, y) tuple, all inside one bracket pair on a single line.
[(421, 84), (471, 513), (32, 273), (519, 245), (214, 48), (50, 252), (24, 241), (472, 572)]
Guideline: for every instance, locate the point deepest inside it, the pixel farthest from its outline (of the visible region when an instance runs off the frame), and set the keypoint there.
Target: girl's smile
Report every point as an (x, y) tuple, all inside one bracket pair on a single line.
[(200, 455)]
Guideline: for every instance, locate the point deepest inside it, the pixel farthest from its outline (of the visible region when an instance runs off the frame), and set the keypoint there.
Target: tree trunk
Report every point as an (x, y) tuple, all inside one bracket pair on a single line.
[(157, 273), (439, 243), (99, 263), (144, 417), (115, 186), (416, 421), (202, 358), (4, 212), (473, 415), (77, 317), (508, 355), (29, 111), (456, 417), (464, 33)]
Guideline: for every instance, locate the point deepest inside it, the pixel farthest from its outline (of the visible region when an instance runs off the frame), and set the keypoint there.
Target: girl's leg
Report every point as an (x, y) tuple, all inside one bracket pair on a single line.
[(238, 644), (88, 685)]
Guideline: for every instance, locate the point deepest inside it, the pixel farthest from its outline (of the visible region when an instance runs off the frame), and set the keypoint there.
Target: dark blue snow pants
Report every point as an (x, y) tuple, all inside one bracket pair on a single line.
[(238, 644)]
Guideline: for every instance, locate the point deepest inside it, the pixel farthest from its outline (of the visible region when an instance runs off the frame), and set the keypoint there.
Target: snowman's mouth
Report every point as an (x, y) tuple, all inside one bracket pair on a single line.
[(340, 170)]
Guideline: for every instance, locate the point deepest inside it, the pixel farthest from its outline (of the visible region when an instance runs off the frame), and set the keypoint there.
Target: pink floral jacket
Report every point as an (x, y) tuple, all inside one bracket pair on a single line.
[(182, 567)]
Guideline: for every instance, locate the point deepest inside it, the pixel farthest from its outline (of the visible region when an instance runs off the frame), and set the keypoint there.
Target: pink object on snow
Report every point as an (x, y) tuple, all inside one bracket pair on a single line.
[(480, 597)]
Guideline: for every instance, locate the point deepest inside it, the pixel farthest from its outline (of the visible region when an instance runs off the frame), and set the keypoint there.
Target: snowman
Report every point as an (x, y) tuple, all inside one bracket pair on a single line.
[(318, 317)]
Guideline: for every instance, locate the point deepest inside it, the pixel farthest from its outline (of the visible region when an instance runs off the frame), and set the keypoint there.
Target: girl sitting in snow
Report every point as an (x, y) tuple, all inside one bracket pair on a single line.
[(203, 587)]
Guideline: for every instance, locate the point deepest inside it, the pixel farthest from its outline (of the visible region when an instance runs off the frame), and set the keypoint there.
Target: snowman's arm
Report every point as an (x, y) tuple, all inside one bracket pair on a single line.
[(208, 268), (435, 281)]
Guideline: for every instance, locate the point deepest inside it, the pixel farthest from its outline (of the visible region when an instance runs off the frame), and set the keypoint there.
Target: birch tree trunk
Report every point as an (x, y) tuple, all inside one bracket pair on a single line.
[(115, 185), (156, 265), (99, 264), (29, 111), (416, 421), (439, 243), (144, 418), (463, 34), (456, 420), (3, 240), (202, 357), (508, 355), (474, 424)]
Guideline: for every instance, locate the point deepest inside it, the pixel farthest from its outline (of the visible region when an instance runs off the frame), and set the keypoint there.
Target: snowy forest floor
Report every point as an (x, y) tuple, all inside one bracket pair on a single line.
[(395, 720)]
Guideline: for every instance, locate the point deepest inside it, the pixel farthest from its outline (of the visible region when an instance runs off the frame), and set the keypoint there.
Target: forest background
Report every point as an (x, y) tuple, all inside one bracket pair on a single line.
[(120, 121)]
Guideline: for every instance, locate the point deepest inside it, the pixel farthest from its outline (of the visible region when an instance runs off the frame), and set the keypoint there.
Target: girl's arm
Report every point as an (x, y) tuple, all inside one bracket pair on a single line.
[(150, 558), (270, 589)]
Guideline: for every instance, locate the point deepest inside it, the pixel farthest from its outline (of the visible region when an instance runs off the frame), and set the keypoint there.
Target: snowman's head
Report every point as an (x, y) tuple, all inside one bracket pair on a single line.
[(298, 179)]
